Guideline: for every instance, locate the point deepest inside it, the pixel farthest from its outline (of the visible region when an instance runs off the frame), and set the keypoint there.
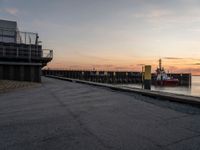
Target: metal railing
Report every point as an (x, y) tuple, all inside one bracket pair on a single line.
[(24, 52), (22, 45), (47, 53), (15, 44)]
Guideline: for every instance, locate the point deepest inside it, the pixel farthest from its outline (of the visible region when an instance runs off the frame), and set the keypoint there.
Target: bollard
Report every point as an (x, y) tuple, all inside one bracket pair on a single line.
[(147, 77), (143, 76)]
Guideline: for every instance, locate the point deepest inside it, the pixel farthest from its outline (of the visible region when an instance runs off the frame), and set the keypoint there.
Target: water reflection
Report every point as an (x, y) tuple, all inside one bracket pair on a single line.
[(194, 90)]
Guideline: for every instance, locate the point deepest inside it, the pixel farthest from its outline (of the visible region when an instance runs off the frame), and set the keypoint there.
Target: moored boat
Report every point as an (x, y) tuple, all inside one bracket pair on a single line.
[(163, 79)]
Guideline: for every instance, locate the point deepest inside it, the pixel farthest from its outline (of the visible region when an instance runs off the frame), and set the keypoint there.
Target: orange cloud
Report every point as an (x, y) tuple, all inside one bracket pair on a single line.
[(171, 64), (12, 11)]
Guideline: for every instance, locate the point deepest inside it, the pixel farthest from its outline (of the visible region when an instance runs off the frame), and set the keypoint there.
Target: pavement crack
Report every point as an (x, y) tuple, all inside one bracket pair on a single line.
[(81, 124), (176, 118), (181, 140)]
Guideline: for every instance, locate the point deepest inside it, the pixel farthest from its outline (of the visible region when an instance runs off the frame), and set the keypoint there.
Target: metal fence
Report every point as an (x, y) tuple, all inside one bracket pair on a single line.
[(47, 53), (25, 45), (24, 52)]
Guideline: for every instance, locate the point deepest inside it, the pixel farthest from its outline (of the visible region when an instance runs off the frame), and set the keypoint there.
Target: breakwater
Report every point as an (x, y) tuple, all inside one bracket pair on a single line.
[(113, 77)]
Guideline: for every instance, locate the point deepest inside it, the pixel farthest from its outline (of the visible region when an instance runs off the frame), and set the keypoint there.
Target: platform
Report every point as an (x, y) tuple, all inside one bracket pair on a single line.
[(21, 54), (66, 115)]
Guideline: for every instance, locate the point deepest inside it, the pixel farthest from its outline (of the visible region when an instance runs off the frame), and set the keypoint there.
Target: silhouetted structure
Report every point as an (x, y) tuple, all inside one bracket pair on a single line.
[(118, 77), (21, 55)]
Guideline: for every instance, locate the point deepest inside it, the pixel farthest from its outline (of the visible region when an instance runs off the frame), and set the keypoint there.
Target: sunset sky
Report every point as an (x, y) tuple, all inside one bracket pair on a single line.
[(113, 34)]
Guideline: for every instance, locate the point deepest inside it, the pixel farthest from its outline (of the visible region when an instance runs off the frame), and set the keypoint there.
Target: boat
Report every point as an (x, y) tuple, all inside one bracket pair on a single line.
[(163, 79)]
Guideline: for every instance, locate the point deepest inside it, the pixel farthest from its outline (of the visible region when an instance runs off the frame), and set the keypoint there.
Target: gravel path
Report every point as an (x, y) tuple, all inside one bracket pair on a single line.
[(8, 85)]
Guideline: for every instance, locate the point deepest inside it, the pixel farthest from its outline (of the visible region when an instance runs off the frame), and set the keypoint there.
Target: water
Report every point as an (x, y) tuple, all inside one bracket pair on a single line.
[(194, 90)]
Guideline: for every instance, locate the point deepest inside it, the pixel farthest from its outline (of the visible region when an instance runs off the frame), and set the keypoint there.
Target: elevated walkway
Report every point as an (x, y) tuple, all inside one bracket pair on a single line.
[(21, 54), (13, 52)]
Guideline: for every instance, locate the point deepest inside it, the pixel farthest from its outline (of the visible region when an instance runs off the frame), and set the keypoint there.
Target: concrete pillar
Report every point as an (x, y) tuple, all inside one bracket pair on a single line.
[(32, 73), (27, 73), (1, 72), (11, 72), (37, 73), (39, 68), (6, 72), (17, 72), (21, 72)]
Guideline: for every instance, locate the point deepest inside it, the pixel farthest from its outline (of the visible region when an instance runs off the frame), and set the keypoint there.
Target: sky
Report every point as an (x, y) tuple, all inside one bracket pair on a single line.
[(113, 34)]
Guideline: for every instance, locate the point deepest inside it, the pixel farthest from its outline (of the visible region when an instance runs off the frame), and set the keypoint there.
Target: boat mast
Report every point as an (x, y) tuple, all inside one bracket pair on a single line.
[(160, 64)]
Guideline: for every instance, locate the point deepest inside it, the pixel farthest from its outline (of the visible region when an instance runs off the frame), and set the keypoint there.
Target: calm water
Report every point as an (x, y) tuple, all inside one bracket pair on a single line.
[(193, 90)]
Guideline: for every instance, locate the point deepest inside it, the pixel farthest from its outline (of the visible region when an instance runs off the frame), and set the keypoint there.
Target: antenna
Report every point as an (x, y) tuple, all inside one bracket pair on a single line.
[(160, 64)]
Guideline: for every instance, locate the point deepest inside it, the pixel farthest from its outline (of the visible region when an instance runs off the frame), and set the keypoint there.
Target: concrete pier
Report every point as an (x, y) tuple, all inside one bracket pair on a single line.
[(67, 115), (21, 59), (186, 99), (113, 76)]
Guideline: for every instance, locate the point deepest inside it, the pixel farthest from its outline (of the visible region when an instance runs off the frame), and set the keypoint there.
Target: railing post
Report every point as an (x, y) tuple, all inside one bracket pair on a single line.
[(1, 35), (25, 37), (3, 51), (17, 51), (30, 53)]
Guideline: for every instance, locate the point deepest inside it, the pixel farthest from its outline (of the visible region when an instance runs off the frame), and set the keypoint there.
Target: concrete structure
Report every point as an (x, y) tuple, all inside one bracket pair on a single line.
[(8, 31), (112, 76), (181, 98), (21, 55), (65, 115)]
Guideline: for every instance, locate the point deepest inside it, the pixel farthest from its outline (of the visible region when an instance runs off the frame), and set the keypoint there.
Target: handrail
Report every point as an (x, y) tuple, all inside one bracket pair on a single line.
[(47, 53), (21, 52)]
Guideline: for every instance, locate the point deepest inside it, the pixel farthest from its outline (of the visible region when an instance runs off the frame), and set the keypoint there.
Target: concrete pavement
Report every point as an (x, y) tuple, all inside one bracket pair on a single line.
[(65, 115)]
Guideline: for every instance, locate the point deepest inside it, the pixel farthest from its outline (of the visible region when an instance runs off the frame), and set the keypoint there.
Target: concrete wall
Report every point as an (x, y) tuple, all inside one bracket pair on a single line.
[(8, 31), (113, 77), (30, 73), (6, 24)]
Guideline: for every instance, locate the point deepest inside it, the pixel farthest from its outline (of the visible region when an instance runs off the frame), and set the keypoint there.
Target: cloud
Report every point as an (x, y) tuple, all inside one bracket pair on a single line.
[(159, 13), (178, 58), (194, 71), (140, 64), (196, 64), (12, 11), (167, 16), (173, 58), (194, 30), (195, 59)]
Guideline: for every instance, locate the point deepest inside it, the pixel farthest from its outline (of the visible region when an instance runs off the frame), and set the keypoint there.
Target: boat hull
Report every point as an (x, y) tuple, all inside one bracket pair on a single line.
[(168, 82)]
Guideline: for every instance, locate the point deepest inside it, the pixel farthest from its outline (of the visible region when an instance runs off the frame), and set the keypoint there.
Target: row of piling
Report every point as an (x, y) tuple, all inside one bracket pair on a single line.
[(113, 77)]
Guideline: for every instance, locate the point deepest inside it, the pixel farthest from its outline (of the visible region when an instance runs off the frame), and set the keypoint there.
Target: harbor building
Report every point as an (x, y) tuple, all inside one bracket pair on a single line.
[(21, 54)]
